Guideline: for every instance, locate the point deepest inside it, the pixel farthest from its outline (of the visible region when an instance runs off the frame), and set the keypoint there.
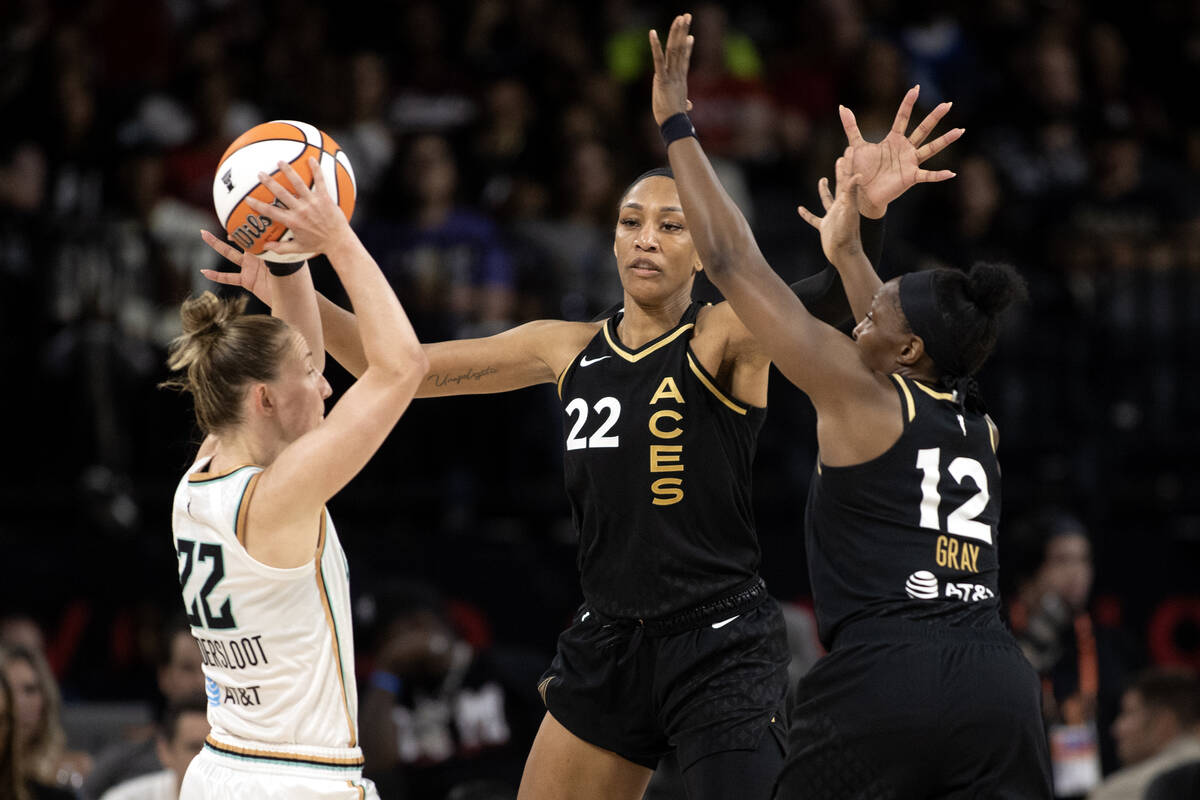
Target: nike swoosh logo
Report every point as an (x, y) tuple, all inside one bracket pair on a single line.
[(587, 362), (725, 622)]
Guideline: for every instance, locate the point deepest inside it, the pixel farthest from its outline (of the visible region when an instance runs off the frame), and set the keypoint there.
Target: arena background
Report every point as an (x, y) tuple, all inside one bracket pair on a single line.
[(1079, 166)]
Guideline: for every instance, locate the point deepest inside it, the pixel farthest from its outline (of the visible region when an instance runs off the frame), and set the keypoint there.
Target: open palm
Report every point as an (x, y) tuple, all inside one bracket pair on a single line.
[(888, 168)]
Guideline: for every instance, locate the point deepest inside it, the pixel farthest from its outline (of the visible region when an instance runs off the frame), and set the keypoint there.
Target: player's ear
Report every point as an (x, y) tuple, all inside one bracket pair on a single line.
[(912, 351), (261, 399)]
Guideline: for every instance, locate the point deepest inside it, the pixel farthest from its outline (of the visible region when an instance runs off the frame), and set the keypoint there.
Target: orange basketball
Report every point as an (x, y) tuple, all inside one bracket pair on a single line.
[(260, 149)]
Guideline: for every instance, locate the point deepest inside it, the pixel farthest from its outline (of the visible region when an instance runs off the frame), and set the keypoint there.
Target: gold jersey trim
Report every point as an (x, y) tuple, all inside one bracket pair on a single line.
[(993, 431), (302, 759), (563, 376), (699, 373), (936, 395), (243, 509), (635, 357), (332, 623), (908, 398)]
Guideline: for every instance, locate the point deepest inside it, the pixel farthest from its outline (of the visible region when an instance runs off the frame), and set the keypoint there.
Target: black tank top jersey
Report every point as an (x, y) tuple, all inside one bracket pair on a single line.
[(657, 465), (912, 533)]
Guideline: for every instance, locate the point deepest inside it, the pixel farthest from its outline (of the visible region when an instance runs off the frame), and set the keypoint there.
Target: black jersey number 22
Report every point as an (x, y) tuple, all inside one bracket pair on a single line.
[(198, 611)]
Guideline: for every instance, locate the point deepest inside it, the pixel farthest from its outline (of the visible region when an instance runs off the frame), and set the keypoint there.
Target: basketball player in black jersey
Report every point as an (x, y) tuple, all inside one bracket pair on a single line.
[(924, 693), (677, 646)]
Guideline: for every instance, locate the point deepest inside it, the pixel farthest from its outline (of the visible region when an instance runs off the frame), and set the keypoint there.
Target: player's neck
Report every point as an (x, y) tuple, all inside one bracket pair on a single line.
[(243, 447), (643, 323)]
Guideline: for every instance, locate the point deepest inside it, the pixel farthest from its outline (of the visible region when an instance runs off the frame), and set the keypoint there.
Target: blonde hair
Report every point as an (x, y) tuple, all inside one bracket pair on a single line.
[(49, 741), (220, 352)]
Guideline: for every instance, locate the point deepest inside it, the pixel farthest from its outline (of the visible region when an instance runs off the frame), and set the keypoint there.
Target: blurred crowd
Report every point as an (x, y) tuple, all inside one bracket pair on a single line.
[(491, 140)]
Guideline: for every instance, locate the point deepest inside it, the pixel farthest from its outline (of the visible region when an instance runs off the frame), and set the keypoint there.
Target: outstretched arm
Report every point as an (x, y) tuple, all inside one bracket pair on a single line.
[(536, 352), (891, 166), (812, 355), (281, 528)]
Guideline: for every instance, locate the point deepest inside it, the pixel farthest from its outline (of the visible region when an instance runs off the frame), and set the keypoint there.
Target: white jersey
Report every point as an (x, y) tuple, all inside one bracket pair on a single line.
[(276, 644)]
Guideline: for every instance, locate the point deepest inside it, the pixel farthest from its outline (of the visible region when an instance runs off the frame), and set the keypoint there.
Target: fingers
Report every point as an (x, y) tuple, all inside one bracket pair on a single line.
[(905, 111), (929, 123), (679, 44), (656, 52), (224, 248), (299, 185), (824, 193), (318, 177), (228, 278), (850, 125), (809, 217), (852, 184), (841, 167), (926, 176), (939, 144), (277, 188)]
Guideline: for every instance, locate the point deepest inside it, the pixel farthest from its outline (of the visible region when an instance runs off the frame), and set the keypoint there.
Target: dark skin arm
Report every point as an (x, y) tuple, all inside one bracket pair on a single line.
[(856, 406), (536, 352), (893, 165)]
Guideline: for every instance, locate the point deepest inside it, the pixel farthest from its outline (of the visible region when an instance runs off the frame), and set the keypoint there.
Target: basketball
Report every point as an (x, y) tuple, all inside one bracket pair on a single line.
[(260, 149)]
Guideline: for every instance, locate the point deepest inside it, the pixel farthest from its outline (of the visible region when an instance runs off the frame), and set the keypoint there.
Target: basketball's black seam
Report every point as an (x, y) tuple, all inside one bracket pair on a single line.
[(307, 144)]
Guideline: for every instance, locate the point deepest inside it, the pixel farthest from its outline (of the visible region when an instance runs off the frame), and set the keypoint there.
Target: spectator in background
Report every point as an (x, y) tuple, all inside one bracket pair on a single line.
[(440, 714), (446, 262), (180, 737), (13, 783), (1044, 151), (179, 678), (21, 630), (733, 109), (37, 732), (11, 786), (1078, 660), (577, 242), (364, 133), (1158, 729)]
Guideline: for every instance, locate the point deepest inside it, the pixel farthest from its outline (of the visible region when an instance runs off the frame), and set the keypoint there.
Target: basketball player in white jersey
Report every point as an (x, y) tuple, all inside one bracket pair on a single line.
[(263, 576)]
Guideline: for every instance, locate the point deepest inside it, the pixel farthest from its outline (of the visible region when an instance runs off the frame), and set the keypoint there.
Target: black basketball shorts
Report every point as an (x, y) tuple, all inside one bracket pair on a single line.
[(902, 710), (641, 691)]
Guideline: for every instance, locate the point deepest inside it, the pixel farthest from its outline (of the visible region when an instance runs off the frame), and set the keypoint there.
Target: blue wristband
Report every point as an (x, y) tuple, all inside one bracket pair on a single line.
[(385, 680), (678, 126)]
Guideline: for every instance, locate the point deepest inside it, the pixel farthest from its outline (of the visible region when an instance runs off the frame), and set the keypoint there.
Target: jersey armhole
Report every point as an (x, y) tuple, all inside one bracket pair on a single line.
[(737, 406), (562, 377), (243, 510), (908, 408)]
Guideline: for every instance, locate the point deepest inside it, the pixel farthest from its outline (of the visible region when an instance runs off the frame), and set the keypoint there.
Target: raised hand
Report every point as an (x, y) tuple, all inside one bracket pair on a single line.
[(315, 221), (888, 168), (252, 272), (669, 95), (839, 227)]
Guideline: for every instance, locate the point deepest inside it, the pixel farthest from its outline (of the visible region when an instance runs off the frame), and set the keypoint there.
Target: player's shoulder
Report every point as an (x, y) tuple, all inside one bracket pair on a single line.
[(717, 324)]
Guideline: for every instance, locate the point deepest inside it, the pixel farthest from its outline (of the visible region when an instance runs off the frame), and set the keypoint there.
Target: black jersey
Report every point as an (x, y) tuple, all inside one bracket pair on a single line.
[(912, 533), (657, 465)]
